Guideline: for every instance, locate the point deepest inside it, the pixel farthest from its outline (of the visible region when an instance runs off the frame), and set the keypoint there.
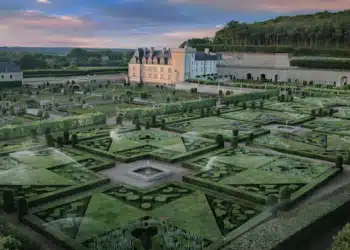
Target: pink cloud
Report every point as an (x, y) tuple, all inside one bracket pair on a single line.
[(273, 5)]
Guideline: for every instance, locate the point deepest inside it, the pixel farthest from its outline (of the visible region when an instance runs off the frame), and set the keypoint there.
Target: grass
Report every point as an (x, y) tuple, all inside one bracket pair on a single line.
[(206, 214), (140, 144), (307, 143), (211, 126), (254, 174), (263, 117), (330, 125)]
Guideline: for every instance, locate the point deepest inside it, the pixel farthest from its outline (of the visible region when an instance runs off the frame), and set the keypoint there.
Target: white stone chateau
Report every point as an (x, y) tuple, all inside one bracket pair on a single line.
[(277, 67), (168, 66)]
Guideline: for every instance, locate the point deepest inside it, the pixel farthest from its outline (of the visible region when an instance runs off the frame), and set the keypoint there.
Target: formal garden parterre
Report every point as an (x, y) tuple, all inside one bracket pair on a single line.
[(158, 144)]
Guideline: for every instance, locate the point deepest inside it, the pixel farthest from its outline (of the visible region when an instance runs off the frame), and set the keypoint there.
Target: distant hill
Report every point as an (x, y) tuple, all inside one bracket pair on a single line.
[(53, 50), (322, 30)]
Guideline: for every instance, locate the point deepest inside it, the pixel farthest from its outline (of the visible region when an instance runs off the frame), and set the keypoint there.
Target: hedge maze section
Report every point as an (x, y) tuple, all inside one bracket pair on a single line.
[(46, 174), (183, 212), (254, 175), (157, 144), (265, 117), (330, 125), (209, 127), (172, 118), (312, 144)]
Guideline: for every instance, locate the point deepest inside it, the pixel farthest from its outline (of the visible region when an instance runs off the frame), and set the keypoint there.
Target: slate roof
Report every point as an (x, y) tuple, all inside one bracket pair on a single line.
[(201, 56), (9, 67)]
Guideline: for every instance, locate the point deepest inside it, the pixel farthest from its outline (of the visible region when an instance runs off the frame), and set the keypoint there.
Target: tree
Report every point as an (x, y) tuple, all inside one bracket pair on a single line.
[(208, 113), (154, 121), (342, 240), (261, 104), (190, 109), (119, 119), (219, 140), (33, 133), (46, 115), (253, 105), (66, 137), (8, 198), (313, 113), (244, 105), (40, 113), (218, 112), (331, 112), (250, 138), (74, 140), (202, 112), (134, 118), (162, 124), (320, 112)]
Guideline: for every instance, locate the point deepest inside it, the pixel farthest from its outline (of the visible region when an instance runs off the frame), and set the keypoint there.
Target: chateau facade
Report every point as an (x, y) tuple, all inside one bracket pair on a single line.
[(168, 66), (10, 75), (259, 66)]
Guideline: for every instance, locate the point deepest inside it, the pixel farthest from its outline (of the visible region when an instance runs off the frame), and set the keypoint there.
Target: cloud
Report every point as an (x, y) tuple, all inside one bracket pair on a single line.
[(271, 5), (44, 1)]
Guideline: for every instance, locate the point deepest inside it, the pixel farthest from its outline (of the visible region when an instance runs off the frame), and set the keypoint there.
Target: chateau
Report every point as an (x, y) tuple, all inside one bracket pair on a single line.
[(10, 75), (260, 66), (171, 65)]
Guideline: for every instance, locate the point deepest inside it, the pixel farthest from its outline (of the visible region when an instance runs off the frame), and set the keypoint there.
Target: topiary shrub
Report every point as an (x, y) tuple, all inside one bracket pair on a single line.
[(49, 140), (134, 118), (261, 104), (313, 113), (320, 112), (66, 137), (244, 105), (253, 105), (119, 120), (190, 109), (162, 124), (147, 125), (339, 162), (60, 141), (202, 112), (22, 207), (235, 132), (137, 124), (284, 196), (154, 121), (331, 112), (234, 142), (219, 140), (8, 197), (74, 140), (218, 112), (207, 113)]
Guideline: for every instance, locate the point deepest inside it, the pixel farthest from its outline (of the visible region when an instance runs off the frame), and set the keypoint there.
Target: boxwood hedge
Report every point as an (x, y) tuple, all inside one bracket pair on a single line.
[(72, 122)]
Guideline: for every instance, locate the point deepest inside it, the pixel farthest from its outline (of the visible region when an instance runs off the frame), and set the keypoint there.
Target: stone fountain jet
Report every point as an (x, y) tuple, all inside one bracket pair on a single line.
[(149, 173)]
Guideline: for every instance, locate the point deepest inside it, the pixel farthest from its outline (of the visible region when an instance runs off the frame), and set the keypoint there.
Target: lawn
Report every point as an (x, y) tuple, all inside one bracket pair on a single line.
[(155, 143), (211, 126), (12, 120), (173, 211), (343, 113), (292, 107), (264, 117), (307, 143), (172, 118), (37, 174), (253, 175), (330, 125)]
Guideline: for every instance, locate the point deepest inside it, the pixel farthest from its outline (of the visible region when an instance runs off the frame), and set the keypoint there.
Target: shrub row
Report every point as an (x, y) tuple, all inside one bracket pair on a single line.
[(82, 72), (321, 64), (251, 96), (72, 122), (169, 108)]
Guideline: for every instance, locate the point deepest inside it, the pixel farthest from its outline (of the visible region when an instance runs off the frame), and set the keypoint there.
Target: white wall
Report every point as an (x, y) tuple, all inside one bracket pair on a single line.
[(9, 76), (257, 59), (318, 76)]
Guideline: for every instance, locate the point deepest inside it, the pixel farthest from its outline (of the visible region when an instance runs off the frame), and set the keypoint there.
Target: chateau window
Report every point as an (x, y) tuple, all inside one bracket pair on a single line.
[(2, 76), (161, 69), (169, 70), (158, 60), (10, 76)]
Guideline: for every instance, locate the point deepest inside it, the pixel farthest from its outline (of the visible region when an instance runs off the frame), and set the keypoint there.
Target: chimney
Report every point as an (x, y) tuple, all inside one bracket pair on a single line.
[(206, 51)]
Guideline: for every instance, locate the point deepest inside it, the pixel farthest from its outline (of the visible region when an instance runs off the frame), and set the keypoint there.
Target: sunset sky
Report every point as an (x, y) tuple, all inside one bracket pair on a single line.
[(135, 23)]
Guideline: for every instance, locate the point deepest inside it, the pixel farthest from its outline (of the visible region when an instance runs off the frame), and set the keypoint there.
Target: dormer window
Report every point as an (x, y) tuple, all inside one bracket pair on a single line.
[(162, 60), (10, 76), (166, 60), (158, 60)]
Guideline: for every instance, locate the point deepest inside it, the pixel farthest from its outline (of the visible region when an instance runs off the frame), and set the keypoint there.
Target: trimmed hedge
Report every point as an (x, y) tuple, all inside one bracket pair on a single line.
[(251, 96), (72, 122), (291, 232), (169, 108), (69, 72)]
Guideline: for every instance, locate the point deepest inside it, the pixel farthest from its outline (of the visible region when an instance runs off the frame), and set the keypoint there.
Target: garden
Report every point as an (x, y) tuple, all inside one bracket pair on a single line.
[(307, 143), (254, 175), (171, 216), (158, 144), (264, 117), (211, 126), (44, 174), (329, 125)]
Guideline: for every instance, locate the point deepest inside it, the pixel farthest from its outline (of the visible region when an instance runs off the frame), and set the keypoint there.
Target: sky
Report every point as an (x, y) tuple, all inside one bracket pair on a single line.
[(135, 23)]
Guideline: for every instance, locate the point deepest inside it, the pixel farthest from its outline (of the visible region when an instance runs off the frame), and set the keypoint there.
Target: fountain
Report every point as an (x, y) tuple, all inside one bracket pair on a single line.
[(149, 173)]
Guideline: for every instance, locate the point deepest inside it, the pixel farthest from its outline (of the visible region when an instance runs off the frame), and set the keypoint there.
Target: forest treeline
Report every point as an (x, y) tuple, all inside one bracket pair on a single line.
[(322, 31)]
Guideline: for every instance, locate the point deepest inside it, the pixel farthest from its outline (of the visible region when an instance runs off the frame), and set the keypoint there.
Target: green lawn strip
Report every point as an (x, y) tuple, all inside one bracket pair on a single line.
[(12, 146), (292, 107), (293, 227), (173, 144), (105, 213), (191, 213), (123, 143)]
